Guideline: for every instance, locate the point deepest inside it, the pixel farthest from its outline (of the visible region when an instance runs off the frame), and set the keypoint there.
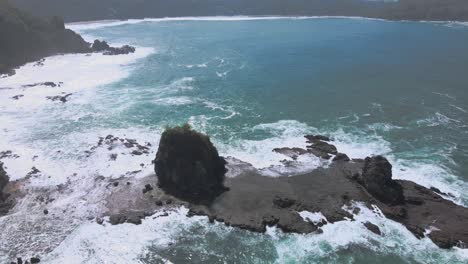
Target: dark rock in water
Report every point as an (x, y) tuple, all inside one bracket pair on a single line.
[(319, 146), (8, 154), (188, 165), (113, 156), (323, 147), (61, 98), (148, 188), (99, 46), (126, 49), (102, 46), (4, 179), (46, 212), (373, 228), (293, 153), (34, 171), (341, 157), (50, 84), (313, 138), (376, 177), (127, 217), (34, 260)]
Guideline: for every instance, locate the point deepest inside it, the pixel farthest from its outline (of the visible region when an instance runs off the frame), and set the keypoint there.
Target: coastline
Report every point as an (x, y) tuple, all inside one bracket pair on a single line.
[(106, 184), (89, 24)]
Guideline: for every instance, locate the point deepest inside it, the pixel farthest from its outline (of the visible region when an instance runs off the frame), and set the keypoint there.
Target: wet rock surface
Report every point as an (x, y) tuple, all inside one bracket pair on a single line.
[(120, 146), (106, 49), (4, 179), (49, 84), (33, 260), (188, 165), (319, 146), (254, 202), (60, 98), (373, 228), (376, 177)]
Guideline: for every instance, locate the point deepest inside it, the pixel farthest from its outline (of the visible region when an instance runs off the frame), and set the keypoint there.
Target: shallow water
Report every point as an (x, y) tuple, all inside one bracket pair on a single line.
[(376, 87)]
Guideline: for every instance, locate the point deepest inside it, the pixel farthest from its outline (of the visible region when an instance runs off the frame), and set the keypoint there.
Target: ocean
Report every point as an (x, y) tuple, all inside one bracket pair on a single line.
[(253, 84)]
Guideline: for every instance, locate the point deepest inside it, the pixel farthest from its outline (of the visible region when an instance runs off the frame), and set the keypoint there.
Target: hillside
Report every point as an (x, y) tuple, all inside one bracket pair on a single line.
[(83, 10), (25, 38)]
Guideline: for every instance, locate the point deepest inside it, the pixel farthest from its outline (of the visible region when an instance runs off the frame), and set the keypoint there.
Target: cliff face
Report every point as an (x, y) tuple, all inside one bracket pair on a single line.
[(24, 38), (84, 10)]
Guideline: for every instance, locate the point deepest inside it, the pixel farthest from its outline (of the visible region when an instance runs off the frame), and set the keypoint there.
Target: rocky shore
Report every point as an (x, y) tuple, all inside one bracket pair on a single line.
[(26, 38), (252, 201), (237, 194)]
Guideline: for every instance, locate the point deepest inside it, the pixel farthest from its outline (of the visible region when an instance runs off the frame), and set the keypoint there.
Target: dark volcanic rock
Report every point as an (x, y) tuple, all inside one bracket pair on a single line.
[(102, 46), (319, 147), (341, 157), (126, 49), (313, 138), (50, 84), (61, 98), (373, 228), (293, 153), (4, 205), (34, 260), (127, 217), (376, 177), (188, 165), (147, 188), (26, 38)]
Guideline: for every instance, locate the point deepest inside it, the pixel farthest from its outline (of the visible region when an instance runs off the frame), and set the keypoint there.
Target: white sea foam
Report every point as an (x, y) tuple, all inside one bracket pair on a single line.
[(285, 133), (437, 119), (344, 235), (80, 26), (315, 217), (78, 74), (176, 100), (126, 243)]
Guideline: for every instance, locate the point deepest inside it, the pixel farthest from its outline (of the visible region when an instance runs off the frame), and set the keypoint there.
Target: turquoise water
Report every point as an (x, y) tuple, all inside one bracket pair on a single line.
[(402, 84), (393, 88), (376, 87)]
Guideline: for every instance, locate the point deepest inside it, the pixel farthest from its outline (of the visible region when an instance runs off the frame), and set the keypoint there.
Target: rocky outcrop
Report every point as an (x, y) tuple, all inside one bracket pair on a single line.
[(3, 197), (451, 10), (332, 191), (102, 46), (26, 38), (61, 98), (373, 228), (188, 165), (376, 177), (319, 146)]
